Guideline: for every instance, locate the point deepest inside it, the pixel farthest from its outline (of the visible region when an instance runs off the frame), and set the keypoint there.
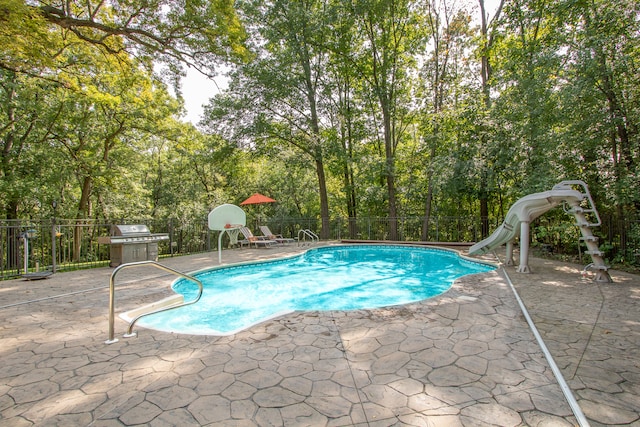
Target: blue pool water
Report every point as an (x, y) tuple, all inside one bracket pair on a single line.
[(330, 278)]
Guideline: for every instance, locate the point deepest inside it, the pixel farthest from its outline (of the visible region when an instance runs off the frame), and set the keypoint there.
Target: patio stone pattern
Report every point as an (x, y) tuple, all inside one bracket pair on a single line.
[(464, 358)]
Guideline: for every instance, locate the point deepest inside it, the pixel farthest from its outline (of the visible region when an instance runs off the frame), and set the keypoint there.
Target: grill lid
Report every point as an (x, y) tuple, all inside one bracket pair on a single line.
[(130, 230)]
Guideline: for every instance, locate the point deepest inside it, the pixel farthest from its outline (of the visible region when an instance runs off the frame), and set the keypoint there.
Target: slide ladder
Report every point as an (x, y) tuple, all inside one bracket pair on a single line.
[(582, 216)]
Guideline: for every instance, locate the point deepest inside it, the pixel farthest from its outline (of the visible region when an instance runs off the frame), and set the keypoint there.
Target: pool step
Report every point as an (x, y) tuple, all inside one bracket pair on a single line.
[(172, 301)]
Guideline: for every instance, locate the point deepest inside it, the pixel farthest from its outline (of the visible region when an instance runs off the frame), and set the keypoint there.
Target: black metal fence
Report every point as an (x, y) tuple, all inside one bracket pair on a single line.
[(28, 246), (441, 229)]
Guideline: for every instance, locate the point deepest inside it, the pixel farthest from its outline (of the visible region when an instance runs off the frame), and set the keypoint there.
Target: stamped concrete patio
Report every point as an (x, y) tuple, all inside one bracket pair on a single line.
[(465, 358)]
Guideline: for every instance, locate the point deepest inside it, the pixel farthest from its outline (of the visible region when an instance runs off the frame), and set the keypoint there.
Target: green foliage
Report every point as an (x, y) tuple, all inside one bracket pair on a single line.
[(556, 234), (372, 108)]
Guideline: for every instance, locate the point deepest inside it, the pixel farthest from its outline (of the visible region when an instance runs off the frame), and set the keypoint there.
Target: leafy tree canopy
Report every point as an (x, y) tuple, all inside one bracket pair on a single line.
[(198, 33)]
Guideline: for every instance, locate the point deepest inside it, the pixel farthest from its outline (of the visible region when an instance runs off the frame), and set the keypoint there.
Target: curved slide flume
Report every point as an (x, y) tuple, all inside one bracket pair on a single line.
[(527, 209)]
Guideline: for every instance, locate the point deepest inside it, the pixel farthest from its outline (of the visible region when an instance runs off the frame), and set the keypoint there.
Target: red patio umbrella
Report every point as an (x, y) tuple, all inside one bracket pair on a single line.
[(257, 199)]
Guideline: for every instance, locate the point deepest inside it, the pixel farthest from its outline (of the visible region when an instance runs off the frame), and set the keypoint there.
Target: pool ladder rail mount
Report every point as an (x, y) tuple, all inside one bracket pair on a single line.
[(165, 304)]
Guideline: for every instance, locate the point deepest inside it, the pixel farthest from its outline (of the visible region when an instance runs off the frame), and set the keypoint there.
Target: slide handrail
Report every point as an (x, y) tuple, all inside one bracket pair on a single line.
[(155, 264), (586, 194)]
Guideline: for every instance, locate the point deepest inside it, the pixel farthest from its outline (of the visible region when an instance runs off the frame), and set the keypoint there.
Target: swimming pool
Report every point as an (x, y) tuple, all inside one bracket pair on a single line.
[(345, 277)]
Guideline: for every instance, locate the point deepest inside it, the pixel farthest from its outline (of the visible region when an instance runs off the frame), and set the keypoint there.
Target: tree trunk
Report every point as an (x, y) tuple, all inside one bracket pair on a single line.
[(83, 213), (484, 216), (7, 162), (427, 206), (389, 168), (324, 202), (350, 192), (317, 148), (485, 75), (13, 236), (393, 214), (347, 171)]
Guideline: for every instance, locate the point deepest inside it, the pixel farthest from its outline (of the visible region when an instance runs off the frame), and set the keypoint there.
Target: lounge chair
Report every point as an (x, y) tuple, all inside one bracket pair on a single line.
[(250, 239), (277, 237)]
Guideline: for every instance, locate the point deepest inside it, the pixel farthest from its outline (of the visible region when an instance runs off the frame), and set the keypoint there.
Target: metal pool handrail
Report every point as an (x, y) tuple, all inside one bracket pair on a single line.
[(308, 233), (129, 333)]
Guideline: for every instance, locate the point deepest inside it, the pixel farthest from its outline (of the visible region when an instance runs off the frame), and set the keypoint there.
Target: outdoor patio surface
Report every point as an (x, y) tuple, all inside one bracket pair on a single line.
[(464, 358)]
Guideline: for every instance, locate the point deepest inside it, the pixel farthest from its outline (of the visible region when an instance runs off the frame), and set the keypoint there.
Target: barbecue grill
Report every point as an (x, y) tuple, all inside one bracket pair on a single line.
[(131, 243)]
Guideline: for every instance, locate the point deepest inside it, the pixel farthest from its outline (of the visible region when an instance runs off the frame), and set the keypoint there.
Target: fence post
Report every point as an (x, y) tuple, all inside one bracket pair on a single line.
[(171, 236), (53, 243)]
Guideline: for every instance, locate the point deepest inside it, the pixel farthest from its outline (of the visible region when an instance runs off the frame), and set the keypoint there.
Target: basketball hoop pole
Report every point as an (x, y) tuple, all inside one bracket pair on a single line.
[(224, 218), (220, 246), (227, 228)]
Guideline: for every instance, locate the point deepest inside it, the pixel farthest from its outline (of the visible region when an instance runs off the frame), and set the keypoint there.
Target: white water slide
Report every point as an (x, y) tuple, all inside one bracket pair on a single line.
[(571, 194)]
